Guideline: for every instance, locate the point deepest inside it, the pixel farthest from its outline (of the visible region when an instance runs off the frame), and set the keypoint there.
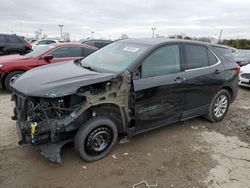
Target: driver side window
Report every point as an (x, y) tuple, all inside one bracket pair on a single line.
[(163, 61)]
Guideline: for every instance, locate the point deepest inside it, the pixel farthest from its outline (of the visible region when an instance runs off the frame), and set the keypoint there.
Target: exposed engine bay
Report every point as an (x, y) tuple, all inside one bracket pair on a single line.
[(53, 122)]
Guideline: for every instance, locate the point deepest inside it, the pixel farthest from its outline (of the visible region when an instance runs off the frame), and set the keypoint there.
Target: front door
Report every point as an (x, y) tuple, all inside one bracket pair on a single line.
[(159, 93)]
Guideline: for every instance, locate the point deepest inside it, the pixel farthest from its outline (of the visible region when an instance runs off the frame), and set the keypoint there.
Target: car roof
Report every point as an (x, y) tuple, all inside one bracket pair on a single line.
[(73, 44), (99, 40), (159, 41)]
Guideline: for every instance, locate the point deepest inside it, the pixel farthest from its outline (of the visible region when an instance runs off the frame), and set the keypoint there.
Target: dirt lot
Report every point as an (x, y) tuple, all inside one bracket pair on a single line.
[(191, 154)]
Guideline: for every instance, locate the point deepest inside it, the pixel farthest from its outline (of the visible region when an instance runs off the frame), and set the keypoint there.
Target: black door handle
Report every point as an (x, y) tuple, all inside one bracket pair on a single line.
[(179, 79)]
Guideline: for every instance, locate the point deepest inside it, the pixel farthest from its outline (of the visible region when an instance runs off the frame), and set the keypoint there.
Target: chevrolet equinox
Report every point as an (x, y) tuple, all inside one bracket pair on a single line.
[(123, 89)]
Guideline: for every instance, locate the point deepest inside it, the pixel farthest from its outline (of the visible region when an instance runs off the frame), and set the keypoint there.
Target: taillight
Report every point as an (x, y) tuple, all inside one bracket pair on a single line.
[(28, 46), (237, 69)]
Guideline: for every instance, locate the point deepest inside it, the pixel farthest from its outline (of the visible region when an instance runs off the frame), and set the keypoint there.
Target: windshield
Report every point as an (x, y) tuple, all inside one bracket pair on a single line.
[(39, 50), (242, 54), (115, 57)]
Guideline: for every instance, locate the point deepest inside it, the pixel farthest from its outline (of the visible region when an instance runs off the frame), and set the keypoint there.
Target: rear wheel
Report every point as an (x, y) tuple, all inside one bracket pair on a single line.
[(219, 106), (95, 139), (10, 78)]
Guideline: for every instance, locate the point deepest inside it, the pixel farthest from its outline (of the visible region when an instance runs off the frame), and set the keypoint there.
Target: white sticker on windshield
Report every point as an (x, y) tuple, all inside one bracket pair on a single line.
[(131, 49)]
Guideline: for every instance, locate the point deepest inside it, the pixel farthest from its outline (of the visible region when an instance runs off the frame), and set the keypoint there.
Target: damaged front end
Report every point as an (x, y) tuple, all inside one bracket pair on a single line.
[(47, 120), (51, 123)]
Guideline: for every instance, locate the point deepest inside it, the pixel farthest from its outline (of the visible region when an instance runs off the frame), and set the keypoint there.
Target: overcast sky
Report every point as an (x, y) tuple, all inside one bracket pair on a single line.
[(134, 18)]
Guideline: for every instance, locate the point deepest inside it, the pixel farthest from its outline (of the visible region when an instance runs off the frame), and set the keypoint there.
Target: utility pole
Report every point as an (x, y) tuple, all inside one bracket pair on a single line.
[(61, 28), (153, 31), (92, 34), (220, 35)]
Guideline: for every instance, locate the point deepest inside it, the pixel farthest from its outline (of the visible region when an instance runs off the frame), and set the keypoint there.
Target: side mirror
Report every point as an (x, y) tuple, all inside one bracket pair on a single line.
[(48, 58)]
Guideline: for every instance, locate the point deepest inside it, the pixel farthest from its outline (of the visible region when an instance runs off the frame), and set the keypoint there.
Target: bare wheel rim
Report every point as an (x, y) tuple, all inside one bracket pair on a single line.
[(220, 106), (98, 141)]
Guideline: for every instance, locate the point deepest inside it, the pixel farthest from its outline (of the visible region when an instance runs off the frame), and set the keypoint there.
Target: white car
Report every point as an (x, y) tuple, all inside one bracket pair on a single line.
[(44, 42), (245, 76)]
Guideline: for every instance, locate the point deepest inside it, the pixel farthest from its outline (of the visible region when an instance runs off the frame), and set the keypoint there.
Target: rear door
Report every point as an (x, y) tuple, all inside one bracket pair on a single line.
[(204, 76), (159, 94)]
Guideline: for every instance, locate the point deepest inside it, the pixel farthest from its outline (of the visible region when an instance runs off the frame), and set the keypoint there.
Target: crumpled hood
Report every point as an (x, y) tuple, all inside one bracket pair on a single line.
[(57, 80)]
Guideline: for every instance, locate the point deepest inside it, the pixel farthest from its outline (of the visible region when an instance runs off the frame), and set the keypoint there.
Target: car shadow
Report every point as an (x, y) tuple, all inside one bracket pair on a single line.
[(4, 92)]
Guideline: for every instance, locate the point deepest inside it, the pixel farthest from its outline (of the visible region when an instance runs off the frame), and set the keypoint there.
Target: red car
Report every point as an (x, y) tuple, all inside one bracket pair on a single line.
[(12, 66)]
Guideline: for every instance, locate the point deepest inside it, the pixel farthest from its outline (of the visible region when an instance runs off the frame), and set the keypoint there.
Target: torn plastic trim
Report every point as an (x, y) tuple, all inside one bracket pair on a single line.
[(52, 152)]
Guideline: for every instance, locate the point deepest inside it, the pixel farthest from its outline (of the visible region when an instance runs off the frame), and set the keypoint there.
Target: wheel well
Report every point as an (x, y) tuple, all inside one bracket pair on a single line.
[(230, 91), (9, 73), (109, 110)]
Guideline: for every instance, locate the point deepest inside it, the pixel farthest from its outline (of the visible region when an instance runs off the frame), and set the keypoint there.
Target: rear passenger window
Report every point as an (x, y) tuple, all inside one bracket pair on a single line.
[(100, 44), (2, 39), (163, 61), (87, 51), (13, 40), (211, 58), (196, 56)]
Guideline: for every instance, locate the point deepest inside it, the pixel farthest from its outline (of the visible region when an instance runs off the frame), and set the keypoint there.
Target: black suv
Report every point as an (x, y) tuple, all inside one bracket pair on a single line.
[(123, 89), (97, 43), (13, 44)]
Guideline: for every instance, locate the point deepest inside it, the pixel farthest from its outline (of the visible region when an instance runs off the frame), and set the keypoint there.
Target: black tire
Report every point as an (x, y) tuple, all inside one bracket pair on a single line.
[(8, 79), (88, 137), (212, 115)]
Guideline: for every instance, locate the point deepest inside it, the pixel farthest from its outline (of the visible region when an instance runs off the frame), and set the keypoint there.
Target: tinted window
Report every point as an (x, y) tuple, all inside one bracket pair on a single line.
[(211, 58), (87, 51), (13, 39), (91, 43), (196, 56), (101, 44), (225, 52), (67, 52), (2, 39), (163, 61), (46, 42)]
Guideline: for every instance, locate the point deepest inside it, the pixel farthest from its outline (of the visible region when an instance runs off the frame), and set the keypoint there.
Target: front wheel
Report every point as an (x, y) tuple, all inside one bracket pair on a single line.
[(95, 139), (10, 78), (219, 106)]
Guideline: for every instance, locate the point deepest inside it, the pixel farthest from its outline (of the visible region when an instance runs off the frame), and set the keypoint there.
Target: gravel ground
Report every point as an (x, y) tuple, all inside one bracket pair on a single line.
[(192, 154)]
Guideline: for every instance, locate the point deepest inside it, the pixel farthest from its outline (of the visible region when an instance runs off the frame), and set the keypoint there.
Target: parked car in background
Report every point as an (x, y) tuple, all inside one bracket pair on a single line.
[(44, 42), (97, 43), (245, 76), (13, 44), (12, 66), (128, 87), (242, 57)]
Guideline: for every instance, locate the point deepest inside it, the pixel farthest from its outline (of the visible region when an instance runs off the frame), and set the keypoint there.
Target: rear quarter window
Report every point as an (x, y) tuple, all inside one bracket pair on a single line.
[(225, 52)]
